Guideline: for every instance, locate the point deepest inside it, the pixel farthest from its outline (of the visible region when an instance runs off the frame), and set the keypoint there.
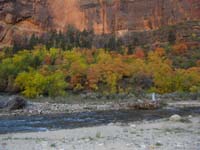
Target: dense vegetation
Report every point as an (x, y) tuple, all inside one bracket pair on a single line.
[(69, 39), (54, 71)]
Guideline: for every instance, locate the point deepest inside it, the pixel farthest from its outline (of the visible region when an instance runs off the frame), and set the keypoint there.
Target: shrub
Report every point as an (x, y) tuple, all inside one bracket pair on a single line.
[(34, 84), (31, 83), (55, 84)]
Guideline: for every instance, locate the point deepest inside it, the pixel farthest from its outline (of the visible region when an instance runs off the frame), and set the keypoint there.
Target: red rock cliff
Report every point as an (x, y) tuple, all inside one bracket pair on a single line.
[(24, 17)]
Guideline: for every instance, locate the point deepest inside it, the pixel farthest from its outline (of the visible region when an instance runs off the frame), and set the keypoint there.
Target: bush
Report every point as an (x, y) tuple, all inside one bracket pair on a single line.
[(34, 84), (31, 83), (55, 84)]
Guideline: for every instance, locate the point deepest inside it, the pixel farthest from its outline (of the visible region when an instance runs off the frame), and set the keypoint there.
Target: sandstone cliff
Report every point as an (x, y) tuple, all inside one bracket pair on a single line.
[(24, 17)]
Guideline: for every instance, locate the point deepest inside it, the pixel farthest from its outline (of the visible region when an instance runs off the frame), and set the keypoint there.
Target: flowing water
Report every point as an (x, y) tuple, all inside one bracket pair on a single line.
[(85, 119)]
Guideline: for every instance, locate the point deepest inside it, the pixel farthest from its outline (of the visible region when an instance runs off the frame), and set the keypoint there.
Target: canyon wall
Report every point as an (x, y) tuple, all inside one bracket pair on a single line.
[(19, 18)]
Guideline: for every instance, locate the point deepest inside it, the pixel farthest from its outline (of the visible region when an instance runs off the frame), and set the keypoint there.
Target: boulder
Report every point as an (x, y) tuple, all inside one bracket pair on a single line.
[(15, 102), (175, 118)]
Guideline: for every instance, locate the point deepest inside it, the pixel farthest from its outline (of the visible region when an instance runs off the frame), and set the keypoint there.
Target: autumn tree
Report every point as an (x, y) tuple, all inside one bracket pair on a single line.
[(180, 49), (139, 53)]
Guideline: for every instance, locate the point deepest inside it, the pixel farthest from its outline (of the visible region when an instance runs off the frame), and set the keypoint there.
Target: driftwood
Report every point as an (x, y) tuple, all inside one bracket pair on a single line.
[(146, 105)]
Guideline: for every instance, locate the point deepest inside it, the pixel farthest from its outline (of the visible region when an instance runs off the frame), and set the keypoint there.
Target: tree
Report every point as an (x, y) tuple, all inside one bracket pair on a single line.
[(179, 48), (56, 84), (139, 53), (172, 36), (31, 83), (161, 71), (111, 45), (32, 42), (34, 84)]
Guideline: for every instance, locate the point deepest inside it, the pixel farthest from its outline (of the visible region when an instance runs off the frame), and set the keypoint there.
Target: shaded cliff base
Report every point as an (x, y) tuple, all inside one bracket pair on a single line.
[(186, 31)]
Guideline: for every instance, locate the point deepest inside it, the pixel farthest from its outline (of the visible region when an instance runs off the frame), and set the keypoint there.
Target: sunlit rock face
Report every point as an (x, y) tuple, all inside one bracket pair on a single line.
[(24, 17)]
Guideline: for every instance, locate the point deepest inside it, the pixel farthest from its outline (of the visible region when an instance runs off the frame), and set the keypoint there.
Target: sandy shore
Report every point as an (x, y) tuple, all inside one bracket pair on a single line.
[(152, 135)]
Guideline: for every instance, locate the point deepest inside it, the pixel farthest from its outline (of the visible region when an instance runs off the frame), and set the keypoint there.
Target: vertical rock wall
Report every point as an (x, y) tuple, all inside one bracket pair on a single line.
[(24, 17)]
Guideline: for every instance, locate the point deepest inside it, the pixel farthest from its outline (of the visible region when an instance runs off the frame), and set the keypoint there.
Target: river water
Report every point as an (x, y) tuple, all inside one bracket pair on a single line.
[(85, 119)]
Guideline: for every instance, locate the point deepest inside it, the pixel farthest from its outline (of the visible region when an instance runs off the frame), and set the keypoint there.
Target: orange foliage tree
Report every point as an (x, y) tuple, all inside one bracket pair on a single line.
[(179, 48), (139, 53)]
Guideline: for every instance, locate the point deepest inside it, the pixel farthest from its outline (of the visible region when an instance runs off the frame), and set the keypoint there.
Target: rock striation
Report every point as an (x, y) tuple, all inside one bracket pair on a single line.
[(25, 17)]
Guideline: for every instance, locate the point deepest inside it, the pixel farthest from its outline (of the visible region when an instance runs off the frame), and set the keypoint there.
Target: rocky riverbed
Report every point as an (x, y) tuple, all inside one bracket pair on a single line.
[(116, 125), (49, 107), (163, 134), (72, 105)]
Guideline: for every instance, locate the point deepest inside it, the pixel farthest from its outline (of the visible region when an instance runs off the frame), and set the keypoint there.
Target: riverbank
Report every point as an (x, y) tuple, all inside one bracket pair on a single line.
[(160, 134), (85, 103), (111, 133)]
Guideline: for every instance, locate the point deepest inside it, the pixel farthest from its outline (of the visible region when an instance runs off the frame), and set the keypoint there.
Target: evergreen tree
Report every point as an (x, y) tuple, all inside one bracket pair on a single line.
[(32, 42), (172, 36), (112, 43)]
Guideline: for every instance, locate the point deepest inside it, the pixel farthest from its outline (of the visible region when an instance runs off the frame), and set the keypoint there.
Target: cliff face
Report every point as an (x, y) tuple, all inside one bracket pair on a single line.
[(24, 17)]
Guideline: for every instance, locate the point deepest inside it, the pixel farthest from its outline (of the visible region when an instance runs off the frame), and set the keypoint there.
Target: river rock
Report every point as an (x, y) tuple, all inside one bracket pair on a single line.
[(175, 118), (132, 125), (15, 102)]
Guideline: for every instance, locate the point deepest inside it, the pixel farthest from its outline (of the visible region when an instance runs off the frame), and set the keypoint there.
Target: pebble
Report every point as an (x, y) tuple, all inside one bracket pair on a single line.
[(178, 145), (118, 124), (87, 140), (133, 126), (125, 130), (159, 143), (175, 118), (143, 146), (128, 145), (100, 144), (40, 111), (111, 124), (44, 144)]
